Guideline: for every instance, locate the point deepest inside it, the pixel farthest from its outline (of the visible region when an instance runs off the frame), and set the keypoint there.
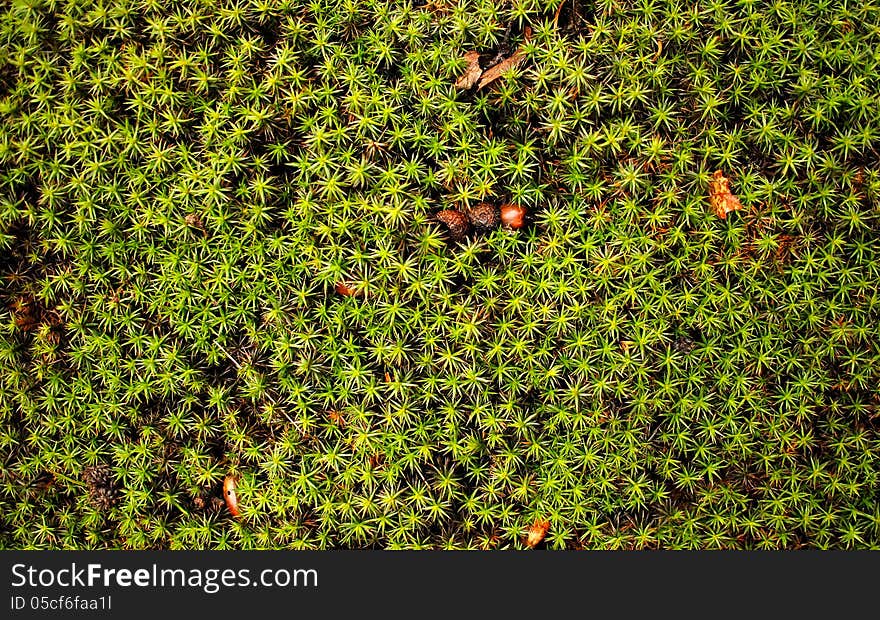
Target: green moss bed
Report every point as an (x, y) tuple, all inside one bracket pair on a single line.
[(221, 256)]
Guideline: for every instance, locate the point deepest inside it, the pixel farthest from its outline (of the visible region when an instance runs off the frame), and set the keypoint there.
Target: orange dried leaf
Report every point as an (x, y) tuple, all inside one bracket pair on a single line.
[(721, 199), (345, 290), (537, 532), (471, 73)]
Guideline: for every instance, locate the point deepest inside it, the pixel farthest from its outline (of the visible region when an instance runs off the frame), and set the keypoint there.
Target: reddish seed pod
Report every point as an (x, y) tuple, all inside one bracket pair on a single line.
[(513, 216), (230, 496)]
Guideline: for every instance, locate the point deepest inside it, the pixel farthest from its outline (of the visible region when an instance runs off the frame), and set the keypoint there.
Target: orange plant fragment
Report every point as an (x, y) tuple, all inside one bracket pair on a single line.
[(721, 199), (537, 532)]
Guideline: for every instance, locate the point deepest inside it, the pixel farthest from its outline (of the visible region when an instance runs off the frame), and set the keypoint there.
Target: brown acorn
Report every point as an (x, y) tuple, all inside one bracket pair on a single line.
[(513, 216), (484, 216), (456, 221)]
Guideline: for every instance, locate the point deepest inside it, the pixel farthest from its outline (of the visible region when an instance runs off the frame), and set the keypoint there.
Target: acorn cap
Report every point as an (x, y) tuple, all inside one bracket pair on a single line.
[(456, 222), (484, 216)]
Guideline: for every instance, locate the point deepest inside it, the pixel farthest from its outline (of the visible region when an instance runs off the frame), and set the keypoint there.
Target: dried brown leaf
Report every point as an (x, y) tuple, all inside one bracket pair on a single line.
[(194, 221), (472, 72), (721, 199), (496, 71)]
